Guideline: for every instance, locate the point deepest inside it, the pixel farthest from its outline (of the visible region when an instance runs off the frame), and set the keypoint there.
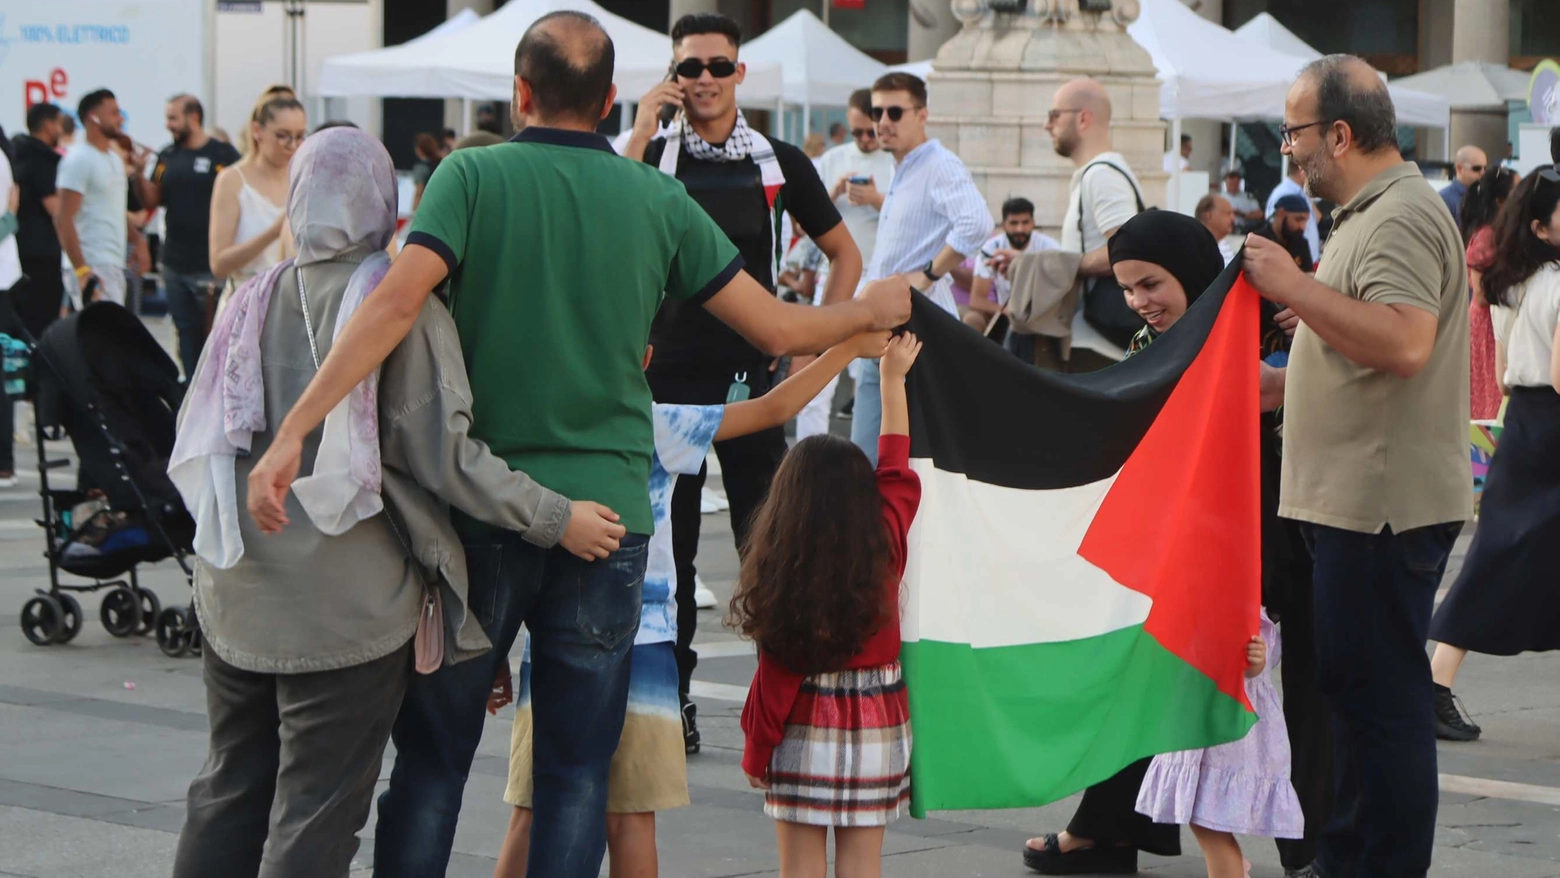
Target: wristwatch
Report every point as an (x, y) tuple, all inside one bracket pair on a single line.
[(931, 274)]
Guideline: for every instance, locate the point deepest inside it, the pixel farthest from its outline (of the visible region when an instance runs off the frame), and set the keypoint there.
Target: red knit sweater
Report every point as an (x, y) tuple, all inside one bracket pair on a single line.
[(775, 686)]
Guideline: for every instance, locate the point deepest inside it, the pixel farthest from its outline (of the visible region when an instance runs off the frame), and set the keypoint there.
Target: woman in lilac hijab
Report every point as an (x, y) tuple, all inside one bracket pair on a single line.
[(310, 633)]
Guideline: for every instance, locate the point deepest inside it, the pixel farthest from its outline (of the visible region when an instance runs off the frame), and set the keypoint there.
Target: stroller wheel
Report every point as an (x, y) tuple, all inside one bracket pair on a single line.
[(172, 636), (72, 618), (151, 608), (42, 619), (121, 612)]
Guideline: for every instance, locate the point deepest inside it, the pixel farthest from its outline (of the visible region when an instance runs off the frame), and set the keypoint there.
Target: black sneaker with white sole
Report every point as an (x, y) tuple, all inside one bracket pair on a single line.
[(1452, 722), (690, 723)]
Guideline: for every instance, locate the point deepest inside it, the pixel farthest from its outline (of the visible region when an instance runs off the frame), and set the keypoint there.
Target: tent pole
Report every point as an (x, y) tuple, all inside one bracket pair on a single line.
[(1175, 175), (778, 128), (806, 119), (1234, 142), (1446, 140)]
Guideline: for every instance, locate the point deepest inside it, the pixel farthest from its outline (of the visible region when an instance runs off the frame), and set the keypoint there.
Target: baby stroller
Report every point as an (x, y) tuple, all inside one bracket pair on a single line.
[(101, 378)]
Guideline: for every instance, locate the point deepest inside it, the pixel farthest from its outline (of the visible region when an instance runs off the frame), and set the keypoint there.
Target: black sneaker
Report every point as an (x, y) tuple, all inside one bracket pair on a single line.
[(1452, 722), (690, 725)]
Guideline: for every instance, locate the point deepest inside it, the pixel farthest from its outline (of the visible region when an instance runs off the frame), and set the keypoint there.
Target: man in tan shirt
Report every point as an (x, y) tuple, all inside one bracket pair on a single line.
[(1375, 452)]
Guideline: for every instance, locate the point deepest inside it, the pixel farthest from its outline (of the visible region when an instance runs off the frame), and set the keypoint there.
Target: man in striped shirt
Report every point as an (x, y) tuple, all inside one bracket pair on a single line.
[(932, 218)]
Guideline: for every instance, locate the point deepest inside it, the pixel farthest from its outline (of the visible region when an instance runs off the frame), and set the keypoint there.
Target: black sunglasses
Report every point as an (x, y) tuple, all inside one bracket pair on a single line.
[(859, 133), (1287, 133), (894, 113), (693, 68)]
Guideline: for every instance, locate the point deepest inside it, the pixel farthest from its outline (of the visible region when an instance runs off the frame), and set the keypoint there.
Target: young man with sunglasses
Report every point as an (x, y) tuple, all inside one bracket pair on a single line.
[(933, 217), (745, 182)]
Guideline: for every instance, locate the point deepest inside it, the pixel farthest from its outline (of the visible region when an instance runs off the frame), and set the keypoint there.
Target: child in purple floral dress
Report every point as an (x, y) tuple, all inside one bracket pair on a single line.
[(1240, 787)]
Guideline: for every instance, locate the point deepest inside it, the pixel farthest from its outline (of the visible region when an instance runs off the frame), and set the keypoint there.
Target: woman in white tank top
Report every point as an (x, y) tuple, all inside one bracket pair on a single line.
[(249, 201)]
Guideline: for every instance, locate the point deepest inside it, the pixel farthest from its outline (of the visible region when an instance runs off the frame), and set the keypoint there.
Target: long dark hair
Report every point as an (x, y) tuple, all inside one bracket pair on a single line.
[(1481, 204), (1519, 253), (812, 588)]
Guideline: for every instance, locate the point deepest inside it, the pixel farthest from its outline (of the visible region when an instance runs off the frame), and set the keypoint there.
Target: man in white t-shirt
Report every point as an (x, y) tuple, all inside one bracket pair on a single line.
[(1181, 160), (1294, 184), (1101, 197), (91, 219), (863, 160), (990, 289)]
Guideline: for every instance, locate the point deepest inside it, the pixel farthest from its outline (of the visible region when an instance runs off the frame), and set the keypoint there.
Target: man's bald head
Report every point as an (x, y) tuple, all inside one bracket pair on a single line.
[(1469, 164), (1079, 123), (567, 60), (1343, 88), (1088, 95)]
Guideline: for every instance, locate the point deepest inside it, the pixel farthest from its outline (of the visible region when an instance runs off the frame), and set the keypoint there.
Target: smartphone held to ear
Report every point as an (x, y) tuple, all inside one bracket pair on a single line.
[(669, 109)]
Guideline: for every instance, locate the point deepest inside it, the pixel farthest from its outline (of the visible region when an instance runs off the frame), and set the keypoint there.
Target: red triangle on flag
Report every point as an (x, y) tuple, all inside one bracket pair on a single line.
[(1182, 522)]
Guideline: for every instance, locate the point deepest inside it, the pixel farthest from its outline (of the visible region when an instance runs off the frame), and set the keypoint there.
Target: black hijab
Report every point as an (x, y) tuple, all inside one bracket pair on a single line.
[(1175, 242)]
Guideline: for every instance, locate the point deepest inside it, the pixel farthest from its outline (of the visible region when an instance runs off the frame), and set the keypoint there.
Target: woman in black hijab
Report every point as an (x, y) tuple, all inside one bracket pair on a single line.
[(1164, 261)]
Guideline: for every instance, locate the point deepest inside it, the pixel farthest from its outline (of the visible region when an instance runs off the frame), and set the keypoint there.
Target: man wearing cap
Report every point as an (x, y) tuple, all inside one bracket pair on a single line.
[(1248, 210), (1287, 227)]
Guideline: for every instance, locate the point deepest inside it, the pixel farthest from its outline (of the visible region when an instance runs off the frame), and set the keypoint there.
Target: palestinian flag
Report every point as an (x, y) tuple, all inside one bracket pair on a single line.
[(1084, 571)]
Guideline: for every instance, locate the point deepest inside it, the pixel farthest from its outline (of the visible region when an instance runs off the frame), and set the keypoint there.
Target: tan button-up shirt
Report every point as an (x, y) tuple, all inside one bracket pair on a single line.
[(1365, 449)]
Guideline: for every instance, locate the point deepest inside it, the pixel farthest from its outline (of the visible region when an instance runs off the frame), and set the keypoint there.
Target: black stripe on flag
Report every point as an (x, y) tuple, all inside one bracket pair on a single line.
[(976, 409)]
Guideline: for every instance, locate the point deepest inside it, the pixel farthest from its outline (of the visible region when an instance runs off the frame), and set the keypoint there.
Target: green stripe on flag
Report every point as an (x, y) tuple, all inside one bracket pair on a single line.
[(1022, 726)]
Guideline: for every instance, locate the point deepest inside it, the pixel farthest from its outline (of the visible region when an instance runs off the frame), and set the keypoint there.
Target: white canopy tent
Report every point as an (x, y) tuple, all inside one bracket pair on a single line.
[(1472, 85), (820, 66), (914, 68), (477, 62), (1414, 107)]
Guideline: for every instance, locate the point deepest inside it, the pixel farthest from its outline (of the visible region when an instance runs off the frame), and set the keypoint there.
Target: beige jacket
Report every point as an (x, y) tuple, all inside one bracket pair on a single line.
[(1045, 290), (300, 601)]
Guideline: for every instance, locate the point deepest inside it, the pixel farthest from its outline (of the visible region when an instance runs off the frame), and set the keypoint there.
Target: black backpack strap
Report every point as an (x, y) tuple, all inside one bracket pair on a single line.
[(1084, 179)]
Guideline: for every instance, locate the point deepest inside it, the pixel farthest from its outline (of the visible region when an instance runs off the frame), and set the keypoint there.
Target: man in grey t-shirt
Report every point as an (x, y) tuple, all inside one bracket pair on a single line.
[(94, 191)]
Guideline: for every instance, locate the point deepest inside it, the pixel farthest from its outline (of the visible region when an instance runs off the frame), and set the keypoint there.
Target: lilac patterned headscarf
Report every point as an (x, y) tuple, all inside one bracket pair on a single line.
[(341, 206)]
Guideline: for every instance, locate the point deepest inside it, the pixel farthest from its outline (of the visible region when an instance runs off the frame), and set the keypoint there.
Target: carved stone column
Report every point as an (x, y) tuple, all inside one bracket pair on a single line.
[(992, 84)]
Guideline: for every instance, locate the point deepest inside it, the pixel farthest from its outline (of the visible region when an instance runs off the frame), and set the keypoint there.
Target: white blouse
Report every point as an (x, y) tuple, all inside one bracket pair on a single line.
[(1529, 333)]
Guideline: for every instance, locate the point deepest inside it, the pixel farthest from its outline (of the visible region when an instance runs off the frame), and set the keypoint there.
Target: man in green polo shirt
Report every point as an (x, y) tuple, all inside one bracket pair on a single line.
[(557, 252), (1375, 453)]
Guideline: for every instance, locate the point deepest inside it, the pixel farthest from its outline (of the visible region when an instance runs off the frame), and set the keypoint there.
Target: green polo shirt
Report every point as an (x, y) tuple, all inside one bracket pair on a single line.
[(559, 251)]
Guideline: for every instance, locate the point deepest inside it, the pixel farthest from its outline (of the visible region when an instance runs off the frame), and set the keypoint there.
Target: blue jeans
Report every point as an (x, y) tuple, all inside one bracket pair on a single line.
[(866, 420), (582, 617), (1374, 594), (187, 294)]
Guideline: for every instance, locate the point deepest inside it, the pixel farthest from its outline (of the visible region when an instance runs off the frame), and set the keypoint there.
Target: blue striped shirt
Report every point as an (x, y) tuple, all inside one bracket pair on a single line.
[(932, 202)]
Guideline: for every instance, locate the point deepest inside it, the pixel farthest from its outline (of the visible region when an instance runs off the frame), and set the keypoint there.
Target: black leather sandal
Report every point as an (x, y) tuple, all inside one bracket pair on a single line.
[(1084, 861)]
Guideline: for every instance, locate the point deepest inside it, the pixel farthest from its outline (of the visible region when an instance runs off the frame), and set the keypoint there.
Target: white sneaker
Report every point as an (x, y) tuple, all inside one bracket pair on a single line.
[(703, 598), (8, 481), (711, 502)]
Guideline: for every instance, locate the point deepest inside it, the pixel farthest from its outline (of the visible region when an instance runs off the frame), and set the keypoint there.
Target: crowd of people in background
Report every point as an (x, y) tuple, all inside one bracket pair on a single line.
[(740, 258)]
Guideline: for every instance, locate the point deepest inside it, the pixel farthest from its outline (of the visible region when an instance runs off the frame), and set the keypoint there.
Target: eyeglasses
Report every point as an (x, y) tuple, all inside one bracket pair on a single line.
[(288, 138), (894, 113), (1053, 115), (693, 68), (1288, 134), (1477, 169), (863, 133)]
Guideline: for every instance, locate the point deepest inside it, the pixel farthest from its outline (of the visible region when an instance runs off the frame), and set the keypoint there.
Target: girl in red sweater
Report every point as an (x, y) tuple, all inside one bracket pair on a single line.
[(827, 723)]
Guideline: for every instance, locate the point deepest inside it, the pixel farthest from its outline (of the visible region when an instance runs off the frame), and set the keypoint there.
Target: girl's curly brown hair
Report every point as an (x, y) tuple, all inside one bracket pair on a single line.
[(813, 582)]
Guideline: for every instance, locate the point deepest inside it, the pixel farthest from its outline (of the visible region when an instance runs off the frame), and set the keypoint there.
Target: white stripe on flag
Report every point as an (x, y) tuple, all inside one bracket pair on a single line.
[(1000, 566)]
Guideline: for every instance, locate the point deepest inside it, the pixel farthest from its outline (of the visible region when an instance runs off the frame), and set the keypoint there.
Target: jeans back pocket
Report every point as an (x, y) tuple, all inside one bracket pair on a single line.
[(610, 593)]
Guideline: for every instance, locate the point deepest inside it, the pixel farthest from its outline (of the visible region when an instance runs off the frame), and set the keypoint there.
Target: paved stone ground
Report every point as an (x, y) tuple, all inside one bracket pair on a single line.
[(100, 738)]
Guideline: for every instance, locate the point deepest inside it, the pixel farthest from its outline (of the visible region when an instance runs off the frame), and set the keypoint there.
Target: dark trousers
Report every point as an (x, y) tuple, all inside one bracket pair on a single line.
[(187, 294), (38, 300), (581, 616), (290, 776), (747, 465), (1374, 594), (1108, 816), (1309, 723)]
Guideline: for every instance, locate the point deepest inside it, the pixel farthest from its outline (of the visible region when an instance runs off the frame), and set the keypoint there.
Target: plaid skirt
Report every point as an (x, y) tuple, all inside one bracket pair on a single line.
[(845, 758)]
